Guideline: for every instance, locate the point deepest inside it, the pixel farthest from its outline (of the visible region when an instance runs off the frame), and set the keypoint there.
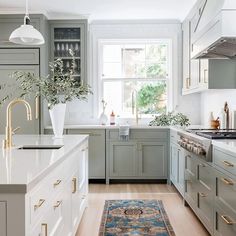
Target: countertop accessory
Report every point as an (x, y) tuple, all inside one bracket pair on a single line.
[(215, 124), (26, 34), (226, 110), (7, 142), (103, 117)]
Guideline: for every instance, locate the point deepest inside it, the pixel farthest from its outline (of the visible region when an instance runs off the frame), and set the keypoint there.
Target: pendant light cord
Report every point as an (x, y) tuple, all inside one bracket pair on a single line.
[(26, 18)]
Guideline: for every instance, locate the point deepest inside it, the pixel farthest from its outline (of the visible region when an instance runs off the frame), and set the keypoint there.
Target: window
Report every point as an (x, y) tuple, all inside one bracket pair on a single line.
[(135, 74)]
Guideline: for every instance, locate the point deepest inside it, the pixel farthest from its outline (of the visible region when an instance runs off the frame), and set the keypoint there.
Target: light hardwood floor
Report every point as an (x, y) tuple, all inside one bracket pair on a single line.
[(182, 219)]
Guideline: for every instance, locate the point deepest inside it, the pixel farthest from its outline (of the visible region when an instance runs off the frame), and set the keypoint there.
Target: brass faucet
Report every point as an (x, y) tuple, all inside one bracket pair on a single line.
[(135, 106), (7, 142)]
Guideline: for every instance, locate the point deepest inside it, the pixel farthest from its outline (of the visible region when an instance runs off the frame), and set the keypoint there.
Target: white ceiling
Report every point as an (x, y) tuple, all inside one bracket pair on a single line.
[(104, 9)]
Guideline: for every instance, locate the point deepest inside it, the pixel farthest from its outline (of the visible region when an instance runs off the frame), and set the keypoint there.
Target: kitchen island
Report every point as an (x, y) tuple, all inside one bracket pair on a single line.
[(43, 185)]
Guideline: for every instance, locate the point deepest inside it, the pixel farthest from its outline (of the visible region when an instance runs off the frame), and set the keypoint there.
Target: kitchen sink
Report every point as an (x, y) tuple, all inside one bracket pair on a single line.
[(40, 147)]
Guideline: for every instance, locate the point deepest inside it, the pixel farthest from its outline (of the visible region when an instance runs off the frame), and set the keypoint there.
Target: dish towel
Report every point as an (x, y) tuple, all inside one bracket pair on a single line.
[(124, 132)]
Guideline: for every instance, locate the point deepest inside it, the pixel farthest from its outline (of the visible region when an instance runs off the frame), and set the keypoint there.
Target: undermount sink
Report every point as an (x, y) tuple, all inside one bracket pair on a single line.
[(40, 147)]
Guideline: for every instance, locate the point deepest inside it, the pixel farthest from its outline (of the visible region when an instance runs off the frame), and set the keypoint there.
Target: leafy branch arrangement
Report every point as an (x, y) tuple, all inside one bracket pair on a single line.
[(57, 87), (170, 119)]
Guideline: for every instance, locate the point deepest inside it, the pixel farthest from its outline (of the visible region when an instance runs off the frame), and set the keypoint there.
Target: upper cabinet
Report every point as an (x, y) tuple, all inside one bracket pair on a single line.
[(203, 74), (66, 35)]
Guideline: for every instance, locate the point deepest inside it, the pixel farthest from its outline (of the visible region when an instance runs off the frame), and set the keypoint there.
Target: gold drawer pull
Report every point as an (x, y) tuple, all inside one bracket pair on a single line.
[(202, 195), (228, 164), (57, 183), (58, 203), (45, 226), (227, 181), (74, 181), (40, 203), (227, 220)]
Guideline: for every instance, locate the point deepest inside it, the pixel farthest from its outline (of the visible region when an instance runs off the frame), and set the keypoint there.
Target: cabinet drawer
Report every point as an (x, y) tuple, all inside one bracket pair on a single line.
[(225, 190), (140, 134), (205, 175), (190, 164), (224, 222), (224, 160), (22, 56)]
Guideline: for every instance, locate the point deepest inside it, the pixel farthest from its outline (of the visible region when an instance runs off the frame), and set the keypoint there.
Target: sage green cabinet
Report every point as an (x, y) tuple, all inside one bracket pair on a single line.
[(96, 151), (3, 218), (70, 34), (144, 156), (123, 157), (199, 189), (176, 163), (19, 118), (152, 159)]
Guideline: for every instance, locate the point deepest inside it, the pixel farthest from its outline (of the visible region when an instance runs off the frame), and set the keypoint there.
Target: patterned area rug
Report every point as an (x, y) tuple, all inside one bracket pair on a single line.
[(135, 217)]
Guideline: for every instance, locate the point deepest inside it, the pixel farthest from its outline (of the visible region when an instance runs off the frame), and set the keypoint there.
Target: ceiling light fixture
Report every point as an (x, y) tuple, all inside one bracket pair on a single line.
[(26, 34)]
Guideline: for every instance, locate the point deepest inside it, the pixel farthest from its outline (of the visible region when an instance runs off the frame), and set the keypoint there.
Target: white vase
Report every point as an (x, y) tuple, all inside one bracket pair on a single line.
[(57, 115), (103, 118)]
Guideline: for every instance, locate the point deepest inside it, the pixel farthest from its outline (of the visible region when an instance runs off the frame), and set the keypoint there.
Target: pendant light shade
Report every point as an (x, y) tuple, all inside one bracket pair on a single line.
[(26, 34)]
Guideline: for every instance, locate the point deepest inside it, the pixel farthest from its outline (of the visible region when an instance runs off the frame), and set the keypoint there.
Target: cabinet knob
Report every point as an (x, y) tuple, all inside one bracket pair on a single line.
[(227, 220), (40, 203), (57, 183), (202, 195), (58, 203), (74, 181)]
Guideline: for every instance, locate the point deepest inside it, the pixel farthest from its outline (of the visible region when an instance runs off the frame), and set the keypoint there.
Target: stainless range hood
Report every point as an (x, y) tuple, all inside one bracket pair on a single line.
[(218, 38)]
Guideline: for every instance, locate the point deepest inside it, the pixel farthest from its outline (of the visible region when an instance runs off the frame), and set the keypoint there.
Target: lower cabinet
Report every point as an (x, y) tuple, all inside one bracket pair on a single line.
[(55, 205), (3, 219), (176, 165), (144, 156), (199, 188)]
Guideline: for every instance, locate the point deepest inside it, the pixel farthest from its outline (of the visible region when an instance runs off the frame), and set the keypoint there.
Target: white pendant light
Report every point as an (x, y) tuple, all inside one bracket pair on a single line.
[(26, 34)]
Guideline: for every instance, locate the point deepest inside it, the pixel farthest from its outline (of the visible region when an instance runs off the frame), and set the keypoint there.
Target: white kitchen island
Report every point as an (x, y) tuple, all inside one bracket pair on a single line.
[(43, 189)]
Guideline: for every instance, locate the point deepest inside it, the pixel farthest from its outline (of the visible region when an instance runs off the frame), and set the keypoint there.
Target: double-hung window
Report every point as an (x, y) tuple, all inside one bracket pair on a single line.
[(135, 74)]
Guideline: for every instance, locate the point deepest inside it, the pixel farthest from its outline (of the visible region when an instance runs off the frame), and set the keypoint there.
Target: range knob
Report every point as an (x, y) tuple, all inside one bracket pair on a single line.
[(201, 151)]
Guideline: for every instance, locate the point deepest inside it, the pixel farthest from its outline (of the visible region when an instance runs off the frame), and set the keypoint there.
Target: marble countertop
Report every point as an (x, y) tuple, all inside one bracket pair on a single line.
[(21, 170), (226, 144)]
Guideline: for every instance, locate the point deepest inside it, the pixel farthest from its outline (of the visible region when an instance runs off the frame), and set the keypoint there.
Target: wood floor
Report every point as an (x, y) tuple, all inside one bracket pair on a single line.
[(182, 219)]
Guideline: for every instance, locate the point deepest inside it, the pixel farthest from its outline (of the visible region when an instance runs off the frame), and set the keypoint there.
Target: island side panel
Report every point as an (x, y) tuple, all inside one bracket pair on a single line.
[(13, 206)]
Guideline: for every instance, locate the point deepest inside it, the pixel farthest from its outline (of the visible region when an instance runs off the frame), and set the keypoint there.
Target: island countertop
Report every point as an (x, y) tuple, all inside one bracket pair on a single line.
[(21, 170)]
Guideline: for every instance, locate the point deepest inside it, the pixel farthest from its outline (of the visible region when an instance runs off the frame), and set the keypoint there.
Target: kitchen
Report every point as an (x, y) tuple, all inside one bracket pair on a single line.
[(117, 118)]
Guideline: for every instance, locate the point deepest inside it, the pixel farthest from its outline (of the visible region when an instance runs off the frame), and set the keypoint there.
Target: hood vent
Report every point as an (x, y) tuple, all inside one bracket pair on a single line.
[(224, 48)]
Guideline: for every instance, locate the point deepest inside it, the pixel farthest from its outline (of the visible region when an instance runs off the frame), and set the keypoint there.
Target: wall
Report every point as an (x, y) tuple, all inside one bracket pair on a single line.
[(213, 101), (84, 113)]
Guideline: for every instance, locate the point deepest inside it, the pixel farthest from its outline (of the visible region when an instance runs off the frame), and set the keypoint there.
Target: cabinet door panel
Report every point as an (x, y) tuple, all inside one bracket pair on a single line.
[(153, 159), (19, 117), (123, 159), (174, 163), (3, 219)]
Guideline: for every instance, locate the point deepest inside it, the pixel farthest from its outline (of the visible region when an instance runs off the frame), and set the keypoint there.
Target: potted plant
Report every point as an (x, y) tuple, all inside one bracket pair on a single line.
[(58, 88)]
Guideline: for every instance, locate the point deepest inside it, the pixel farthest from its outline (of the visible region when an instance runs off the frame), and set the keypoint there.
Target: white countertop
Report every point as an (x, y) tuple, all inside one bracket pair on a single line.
[(226, 144), (21, 170)]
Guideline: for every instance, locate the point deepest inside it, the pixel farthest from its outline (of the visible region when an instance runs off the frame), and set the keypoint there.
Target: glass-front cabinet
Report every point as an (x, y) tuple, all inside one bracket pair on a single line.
[(66, 35)]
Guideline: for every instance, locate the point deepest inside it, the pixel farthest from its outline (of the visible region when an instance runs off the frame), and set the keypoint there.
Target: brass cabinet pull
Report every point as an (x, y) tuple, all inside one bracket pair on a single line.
[(227, 181), (202, 195), (227, 220), (202, 165), (37, 108), (226, 163), (45, 226), (57, 183), (40, 203), (74, 181), (58, 203)]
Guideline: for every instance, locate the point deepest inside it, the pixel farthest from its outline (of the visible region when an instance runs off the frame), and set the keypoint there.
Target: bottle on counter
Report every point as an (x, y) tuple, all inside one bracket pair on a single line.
[(222, 119), (112, 118), (211, 117)]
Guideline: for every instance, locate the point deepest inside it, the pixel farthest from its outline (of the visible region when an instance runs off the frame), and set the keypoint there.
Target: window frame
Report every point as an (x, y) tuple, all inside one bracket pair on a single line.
[(168, 78)]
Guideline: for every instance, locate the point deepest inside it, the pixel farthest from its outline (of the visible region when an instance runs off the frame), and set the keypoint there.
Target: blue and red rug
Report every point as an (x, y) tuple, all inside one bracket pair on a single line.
[(135, 217)]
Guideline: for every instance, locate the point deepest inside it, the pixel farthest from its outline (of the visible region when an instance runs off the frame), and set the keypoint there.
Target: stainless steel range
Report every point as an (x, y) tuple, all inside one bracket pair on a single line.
[(198, 141)]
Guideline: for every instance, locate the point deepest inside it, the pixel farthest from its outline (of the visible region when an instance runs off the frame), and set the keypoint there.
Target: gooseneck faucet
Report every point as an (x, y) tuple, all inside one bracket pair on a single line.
[(7, 142)]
